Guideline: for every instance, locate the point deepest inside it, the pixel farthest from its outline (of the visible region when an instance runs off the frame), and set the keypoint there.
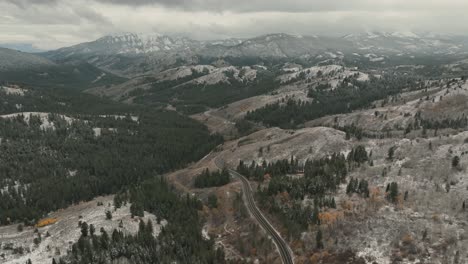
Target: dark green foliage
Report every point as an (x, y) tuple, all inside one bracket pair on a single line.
[(455, 162), (92, 229), (318, 239), (358, 155), (391, 152), (355, 186), (277, 168), (392, 192), (57, 100), (212, 179), (321, 177), (180, 241), (108, 215), (239, 206), (455, 123), (351, 131), (343, 99), (43, 159), (190, 109), (212, 201), (192, 98), (68, 76), (244, 127), (84, 229)]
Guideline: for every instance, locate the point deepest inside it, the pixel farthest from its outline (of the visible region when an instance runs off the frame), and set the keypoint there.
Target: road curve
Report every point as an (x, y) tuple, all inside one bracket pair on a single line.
[(283, 248)]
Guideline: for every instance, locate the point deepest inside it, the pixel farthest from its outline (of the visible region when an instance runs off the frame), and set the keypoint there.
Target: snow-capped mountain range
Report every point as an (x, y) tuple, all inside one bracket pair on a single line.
[(132, 54)]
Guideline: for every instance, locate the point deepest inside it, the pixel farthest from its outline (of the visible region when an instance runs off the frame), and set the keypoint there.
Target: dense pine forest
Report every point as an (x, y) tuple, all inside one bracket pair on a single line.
[(61, 148), (59, 100), (52, 163), (212, 179)]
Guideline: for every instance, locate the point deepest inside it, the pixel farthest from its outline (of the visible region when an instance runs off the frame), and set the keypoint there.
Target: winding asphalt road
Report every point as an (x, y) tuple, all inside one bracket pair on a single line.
[(283, 248)]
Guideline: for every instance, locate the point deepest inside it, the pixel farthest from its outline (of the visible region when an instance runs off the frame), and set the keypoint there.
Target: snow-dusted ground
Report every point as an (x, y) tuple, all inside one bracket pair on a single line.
[(333, 74), (274, 144), (13, 90), (99, 77), (183, 71), (66, 231), (213, 75), (374, 228), (46, 123), (134, 118), (98, 130), (439, 103), (220, 75)]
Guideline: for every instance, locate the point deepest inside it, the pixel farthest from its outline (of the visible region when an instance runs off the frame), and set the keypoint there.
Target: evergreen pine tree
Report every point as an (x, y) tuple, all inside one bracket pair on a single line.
[(318, 239)]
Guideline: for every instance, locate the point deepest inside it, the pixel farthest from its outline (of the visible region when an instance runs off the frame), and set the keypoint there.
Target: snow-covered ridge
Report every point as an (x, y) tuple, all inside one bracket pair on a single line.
[(131, 43), (333, 73), (211, 75), (184, 71)]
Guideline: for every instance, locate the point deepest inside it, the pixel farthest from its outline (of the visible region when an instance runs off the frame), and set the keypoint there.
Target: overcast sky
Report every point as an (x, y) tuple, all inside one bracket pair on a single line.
[(49, 24)]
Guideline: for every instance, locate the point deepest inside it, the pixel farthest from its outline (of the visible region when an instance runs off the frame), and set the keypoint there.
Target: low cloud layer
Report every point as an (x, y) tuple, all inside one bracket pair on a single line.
[(50, 24)]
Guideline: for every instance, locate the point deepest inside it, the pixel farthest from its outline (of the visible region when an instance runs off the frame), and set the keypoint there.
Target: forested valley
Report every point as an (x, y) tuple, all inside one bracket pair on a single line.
[(66, 148)]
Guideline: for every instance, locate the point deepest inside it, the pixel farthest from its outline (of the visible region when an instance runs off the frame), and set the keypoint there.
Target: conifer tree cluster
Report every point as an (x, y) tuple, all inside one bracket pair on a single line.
[(392, 192), (212, 179), (180, 240), (358, 186)]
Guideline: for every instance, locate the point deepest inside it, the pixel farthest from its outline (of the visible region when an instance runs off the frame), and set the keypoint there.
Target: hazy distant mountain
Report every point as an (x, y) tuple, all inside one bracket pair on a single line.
[(24, 47), (132, 54), (30, 69), (406, 42), (13, 59)]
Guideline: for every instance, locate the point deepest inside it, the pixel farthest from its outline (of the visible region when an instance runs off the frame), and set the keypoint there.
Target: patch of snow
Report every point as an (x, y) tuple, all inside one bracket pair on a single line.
[(363, 77), (205, 234), (117, 117), (184, 71), (97, 131), (378, 59), (13, 90), (44, 117), (99, 77)]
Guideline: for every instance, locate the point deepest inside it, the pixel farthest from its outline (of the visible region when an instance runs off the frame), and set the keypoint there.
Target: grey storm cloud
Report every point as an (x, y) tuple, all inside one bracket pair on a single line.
[(276, 5), (27, 3), (296, 5), (54, 23), (253, 5)]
